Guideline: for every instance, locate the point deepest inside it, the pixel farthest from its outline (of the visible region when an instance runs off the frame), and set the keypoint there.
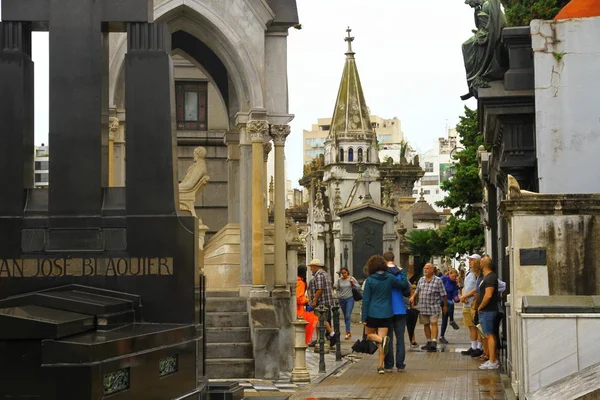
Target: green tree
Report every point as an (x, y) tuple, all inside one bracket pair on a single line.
[(464, 189), (463, 232), (424, 244), (521, 12)]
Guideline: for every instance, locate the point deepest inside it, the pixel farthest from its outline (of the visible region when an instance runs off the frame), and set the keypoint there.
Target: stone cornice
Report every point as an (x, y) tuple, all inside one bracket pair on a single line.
[(521, 202)]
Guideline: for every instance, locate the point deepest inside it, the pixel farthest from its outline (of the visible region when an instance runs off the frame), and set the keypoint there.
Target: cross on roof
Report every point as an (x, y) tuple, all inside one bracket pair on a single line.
[(349, 39)]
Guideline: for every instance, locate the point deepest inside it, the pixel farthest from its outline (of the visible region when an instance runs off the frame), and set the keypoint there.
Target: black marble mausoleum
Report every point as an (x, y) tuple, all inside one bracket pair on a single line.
[(99, 291)]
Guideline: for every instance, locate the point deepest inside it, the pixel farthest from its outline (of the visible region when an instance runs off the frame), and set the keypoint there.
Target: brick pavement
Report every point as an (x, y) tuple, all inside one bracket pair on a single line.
[(444, 375)]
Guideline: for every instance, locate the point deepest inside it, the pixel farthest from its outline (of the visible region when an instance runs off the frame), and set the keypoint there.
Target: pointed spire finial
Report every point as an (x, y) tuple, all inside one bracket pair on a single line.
[(422, 195), (349, 39)]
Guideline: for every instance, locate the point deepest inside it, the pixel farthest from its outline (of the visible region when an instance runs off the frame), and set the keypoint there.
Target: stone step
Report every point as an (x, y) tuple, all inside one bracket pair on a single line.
[(222, 293), (227, 320), (225, 304), (228, 335), (230, 368), (228, 350)]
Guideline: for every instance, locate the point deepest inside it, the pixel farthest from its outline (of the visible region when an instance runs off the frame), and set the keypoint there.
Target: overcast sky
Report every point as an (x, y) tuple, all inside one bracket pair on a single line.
[(408, 54)]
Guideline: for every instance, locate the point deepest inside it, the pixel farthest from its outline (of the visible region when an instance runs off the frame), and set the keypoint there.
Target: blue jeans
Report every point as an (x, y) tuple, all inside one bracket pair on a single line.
[(397, 329), (449, 314), (346, 306)]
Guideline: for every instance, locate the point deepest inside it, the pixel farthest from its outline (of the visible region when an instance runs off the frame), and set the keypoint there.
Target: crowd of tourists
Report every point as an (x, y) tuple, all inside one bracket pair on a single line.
[(391, 306)]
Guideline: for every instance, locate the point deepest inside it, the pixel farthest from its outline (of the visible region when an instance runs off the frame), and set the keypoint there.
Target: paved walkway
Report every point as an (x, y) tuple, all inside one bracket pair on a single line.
[(444, 375)]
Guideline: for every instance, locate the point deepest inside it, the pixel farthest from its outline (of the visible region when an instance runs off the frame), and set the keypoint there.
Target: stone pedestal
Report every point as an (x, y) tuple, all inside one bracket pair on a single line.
[(300, 372)]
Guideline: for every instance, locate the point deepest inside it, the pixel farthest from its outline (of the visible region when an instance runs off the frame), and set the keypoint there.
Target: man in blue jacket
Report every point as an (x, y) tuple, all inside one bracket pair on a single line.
[(398, 321)]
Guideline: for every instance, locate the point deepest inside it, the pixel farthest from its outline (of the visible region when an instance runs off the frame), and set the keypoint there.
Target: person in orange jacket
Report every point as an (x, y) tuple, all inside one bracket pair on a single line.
[(302, 301)]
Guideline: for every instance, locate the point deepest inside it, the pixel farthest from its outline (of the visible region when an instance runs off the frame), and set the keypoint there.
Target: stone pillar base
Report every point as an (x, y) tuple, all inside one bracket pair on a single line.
[(245, 290), (281, 292), (258, 292)]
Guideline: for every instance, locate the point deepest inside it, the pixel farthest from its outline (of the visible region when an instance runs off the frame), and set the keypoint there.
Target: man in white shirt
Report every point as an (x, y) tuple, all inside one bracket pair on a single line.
[(468, 295)]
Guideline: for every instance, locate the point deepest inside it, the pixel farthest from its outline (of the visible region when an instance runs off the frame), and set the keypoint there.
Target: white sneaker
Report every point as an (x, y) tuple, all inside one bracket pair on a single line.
[(489, 365)]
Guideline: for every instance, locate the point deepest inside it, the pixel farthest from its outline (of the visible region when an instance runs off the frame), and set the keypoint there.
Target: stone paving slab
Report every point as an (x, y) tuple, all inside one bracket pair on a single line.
[(443, 375)]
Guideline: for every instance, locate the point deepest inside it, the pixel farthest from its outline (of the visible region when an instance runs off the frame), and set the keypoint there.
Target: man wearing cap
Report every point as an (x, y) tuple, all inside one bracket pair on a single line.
[(469, 291), (321, 291)]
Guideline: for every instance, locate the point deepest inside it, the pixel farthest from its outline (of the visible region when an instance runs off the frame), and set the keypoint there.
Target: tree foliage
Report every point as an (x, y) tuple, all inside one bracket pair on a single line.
[(463, 235), (521, 12), (424, 244), (463, 232), (464, 189)]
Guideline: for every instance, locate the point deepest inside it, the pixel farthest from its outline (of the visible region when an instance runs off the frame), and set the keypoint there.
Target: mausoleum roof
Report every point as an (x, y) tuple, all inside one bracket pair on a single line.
[(351, 115), (579, 9), (422, 211)]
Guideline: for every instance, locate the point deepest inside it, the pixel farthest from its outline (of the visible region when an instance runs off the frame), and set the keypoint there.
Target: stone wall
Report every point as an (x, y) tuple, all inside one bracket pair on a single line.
[(567, 93)]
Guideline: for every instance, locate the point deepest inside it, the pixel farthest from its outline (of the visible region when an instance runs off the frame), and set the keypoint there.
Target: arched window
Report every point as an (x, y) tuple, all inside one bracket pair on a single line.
[(341, 155), (350, 155), (368, 154), (360, 155)]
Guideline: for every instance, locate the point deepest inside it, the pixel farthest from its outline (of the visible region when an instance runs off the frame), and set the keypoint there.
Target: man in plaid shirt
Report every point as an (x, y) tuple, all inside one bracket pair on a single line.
[(321, 292), (430, 289)]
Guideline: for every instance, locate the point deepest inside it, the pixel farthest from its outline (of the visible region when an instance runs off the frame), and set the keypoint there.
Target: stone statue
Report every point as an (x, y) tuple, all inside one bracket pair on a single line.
[(194, 181), (481, 52)]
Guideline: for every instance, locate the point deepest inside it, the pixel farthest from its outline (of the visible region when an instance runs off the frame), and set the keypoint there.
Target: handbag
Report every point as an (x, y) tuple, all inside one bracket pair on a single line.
[(356, 294), (364, 345)]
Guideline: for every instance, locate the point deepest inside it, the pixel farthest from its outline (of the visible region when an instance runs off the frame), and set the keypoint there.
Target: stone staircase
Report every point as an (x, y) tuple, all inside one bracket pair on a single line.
[(228, 341)]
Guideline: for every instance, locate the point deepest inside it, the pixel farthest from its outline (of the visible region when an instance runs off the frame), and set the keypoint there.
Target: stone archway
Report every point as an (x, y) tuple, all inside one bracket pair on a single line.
[(216, 37)]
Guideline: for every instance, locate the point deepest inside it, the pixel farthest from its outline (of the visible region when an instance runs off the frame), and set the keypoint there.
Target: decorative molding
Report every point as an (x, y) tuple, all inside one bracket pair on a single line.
[(279, 133), (257, 130), (267, 147), (113, 128)]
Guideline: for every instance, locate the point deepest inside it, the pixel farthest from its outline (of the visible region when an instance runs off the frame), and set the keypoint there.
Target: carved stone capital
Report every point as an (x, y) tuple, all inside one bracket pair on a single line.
[(257, 130), (279, 133), (267, 146), (113, 128)]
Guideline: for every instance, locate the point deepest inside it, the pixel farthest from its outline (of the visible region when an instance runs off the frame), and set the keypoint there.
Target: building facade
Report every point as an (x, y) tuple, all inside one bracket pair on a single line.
[(438, 164)]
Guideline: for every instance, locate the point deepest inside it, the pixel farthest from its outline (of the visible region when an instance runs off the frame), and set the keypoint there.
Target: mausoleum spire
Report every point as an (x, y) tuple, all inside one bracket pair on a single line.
[(351, 119)]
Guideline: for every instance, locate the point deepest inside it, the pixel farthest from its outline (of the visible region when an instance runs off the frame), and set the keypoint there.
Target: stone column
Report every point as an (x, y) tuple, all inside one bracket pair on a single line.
[(267, 147), (279, 133), (113, 131), (292, 272), (257, 129), (245, 178), (232, 140)]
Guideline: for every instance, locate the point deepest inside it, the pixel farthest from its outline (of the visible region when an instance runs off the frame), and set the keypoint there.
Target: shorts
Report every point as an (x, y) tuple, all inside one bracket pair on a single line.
[(428, 319), (378, 322), (468, 315), (487, 319)]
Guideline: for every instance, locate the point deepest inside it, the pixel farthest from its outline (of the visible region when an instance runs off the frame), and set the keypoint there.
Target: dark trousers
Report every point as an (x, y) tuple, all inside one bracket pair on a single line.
[(411, 322), (449, 314), (397, 328)]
